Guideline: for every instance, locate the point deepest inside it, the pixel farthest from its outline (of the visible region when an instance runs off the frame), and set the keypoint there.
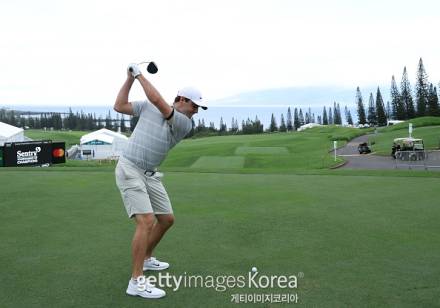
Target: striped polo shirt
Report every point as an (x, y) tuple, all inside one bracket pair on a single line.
[(154, 136)]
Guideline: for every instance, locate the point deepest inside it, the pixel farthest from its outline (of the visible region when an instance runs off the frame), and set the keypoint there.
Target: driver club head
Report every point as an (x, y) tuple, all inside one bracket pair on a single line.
[(152, 68)]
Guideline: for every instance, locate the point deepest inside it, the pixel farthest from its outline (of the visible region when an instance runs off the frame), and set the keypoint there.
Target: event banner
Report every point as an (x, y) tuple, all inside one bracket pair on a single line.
[(33, 153)]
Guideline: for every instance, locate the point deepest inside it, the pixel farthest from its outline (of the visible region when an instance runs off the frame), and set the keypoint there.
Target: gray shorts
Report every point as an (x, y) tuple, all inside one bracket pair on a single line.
[(141, 193)]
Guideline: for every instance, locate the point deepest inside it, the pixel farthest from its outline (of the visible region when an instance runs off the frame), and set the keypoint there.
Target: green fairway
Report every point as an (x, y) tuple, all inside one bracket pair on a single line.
[(222, 162), (280, 152), (358, 240), (263, 153), (261, 150)]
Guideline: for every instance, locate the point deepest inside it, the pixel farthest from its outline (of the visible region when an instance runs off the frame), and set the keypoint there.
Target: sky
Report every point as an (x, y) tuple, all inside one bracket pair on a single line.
[(75, 53)]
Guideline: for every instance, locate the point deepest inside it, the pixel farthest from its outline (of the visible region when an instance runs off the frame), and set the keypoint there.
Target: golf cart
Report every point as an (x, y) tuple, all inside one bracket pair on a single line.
[(408, 149), (363, 148)]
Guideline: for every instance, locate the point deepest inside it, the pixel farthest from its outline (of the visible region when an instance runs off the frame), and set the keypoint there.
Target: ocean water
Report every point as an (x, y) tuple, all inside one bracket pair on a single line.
[(213, 114)]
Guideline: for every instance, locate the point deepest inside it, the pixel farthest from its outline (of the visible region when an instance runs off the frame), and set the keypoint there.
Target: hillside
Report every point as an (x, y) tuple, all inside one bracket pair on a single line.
[(278, 152), (426, 128)]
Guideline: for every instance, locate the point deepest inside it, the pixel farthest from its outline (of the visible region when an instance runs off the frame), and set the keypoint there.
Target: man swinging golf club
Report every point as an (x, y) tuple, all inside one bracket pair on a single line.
[(160, 127)]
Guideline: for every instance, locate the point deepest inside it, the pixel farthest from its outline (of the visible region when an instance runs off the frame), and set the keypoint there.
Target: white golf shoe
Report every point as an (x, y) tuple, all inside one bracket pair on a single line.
[(145, 289), (155, 265)]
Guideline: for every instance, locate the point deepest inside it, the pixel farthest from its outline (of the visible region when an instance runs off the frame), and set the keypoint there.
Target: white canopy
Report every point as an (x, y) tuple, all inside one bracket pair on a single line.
[(104, 135), (100, 137), (308, 125), (7, 131), (102, 144)]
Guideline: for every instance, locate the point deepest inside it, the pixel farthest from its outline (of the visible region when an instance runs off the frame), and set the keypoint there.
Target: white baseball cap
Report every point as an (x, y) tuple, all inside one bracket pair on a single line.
[(194, 95)]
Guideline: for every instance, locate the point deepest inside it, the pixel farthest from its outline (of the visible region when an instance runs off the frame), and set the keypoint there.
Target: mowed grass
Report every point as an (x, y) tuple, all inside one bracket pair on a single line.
[(357, 236), (360, 241), (222, 162), (261, 150)]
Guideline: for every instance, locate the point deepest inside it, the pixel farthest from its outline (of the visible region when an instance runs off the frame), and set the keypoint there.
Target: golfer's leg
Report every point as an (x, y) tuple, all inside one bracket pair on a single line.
[(161, 205), (144, 225), (163, 223)]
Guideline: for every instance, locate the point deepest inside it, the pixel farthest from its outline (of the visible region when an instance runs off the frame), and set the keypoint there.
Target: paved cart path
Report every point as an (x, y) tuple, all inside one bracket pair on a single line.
[(371, 161)]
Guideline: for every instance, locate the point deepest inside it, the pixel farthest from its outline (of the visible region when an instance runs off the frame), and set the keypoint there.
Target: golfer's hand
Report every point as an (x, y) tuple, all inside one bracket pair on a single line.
[(130, 76), (134, 70)]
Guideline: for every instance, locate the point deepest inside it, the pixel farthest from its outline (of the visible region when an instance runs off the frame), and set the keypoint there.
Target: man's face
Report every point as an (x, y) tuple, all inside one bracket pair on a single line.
[(188, 108)]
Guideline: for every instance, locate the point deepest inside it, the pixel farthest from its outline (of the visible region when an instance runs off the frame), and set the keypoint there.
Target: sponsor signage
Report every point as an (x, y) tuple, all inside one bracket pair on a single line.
[(97, 142), (58, 152), (33, 153)]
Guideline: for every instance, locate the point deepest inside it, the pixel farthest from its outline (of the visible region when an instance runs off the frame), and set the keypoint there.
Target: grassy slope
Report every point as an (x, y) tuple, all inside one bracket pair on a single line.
[(65, 243), (426, 128), (279, 152), (70, 137), (417, 122), (267, 153), (306, 150)]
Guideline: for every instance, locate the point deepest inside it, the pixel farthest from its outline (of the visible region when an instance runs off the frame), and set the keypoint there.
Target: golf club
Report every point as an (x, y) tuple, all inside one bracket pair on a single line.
[(151, 67)]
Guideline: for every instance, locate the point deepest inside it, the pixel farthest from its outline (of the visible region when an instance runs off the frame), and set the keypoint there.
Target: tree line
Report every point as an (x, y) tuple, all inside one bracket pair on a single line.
[(70, 121), (88, 121), (405, 104), (291, 122)]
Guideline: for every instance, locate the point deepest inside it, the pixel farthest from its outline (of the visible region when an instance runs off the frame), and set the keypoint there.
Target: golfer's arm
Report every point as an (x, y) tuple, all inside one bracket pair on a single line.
[(121, 104), (154, 97)]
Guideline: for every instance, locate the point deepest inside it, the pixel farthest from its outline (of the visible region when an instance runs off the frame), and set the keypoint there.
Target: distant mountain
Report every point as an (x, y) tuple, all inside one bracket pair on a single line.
[(301, 96)]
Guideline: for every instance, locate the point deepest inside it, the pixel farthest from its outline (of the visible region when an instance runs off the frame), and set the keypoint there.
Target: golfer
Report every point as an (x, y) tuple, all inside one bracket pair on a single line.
[(160, 127)]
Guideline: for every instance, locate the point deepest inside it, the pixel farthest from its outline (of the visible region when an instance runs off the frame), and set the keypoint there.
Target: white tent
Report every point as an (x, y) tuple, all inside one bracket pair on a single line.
[(9, 133), (102, 144), (308, 125), (393, 122)]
